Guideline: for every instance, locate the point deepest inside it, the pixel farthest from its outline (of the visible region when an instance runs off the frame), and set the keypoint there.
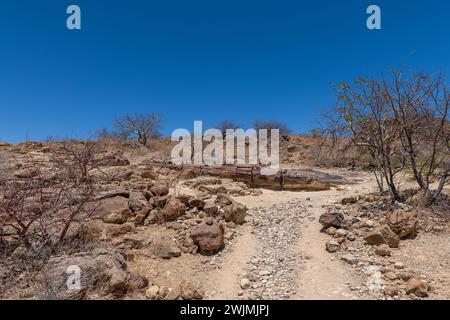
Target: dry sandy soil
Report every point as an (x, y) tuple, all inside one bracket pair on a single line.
[(278, 253)]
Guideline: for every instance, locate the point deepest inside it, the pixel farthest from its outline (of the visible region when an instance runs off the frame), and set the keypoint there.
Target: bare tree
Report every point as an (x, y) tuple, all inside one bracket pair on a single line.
[(284, 130), (143, 127), (399, 123), (76, 159), (38, 211), (420, 104), (224, 125)]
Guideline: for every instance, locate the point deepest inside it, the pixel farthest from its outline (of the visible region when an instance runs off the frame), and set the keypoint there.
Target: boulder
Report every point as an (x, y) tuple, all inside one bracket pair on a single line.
[(417, 286), (100, 271), (383, 250), (149, 174), (403, 223), (196, 203), (332, 246), (349, 200), (159, 190), (208, 237), (98, 230), (211, 209), (384, 235), (235, 212), (350, 259), (173, 210), (334, 219), (152, 292), (165, 248), (142, 215), (389, 236), (190, 291), (113, 210), (115, 161), (223, 200)]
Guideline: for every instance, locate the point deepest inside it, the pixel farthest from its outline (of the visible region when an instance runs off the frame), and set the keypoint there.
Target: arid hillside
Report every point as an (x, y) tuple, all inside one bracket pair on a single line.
[(136, 227)]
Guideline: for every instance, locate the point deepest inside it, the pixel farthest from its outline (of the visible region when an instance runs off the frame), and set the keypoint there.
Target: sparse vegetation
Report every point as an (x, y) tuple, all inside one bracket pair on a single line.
[(141, 126)]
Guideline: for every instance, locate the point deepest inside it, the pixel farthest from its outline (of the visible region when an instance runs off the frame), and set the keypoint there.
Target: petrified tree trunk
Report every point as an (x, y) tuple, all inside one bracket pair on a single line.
[(260, 177)]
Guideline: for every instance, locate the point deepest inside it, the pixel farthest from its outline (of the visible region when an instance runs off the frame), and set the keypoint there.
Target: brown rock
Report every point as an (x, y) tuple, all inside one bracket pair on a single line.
[(390, 291), (113, 210), (350, 200), (173, 210), (190, 291), (208, 238), (334, 219), (142, 215), (235, 212), (159, 190), (382, 236), (101, 270), (196, 203), (115, 161), (332, 246), (417, 286), (149, 174), (165, 248), (211, 209), (383, 250), (173, 294), (403, 223)]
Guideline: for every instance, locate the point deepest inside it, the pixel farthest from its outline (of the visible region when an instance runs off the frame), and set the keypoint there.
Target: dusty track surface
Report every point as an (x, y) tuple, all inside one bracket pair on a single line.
[(280, 254)]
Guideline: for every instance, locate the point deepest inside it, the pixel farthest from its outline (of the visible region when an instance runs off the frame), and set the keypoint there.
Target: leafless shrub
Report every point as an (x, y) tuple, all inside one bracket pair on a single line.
[(284, 130), (224, 125), (37, 211), (399, 124), (143, 127)]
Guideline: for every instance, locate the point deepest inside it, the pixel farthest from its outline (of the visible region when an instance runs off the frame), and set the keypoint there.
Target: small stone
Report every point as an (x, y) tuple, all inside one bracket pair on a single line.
[(331, 231), (399, 265), (152, 292), (390, 276), (417, 286), (383, 250), (350, 259), (332, 246), (245, 283), (390, 291)]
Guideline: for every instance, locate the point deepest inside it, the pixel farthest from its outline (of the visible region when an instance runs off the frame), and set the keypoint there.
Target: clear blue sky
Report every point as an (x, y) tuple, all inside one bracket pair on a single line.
[(200, 59)]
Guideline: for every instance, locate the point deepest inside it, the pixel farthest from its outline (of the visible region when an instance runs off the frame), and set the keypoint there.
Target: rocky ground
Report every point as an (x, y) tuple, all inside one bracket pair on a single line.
[(160, 235)]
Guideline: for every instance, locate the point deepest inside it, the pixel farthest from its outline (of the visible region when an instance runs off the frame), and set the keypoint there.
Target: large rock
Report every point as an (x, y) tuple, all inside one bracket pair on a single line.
[(223, 200), (98, 230), (165, 248), (113, 210), (235, 212), (417, 286), (173, 209), (115, 161), (232, 210), (190, 291), (384, 235), (100, 271), (142, 215), (332, 246), (159, 190), (208, 236), (332, 219), (403, 223)]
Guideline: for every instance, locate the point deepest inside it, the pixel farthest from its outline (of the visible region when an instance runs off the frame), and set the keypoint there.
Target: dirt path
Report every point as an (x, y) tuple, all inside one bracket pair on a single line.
[(280, 253)]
